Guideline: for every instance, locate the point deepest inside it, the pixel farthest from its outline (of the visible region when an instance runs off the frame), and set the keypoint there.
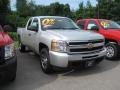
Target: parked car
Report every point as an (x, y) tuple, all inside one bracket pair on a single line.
[(8, 59), (109, 29), (60, 42)]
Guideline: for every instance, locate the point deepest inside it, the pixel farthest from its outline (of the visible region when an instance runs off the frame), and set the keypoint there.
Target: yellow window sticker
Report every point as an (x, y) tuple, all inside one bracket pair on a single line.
[(48, 21), (105, 23)]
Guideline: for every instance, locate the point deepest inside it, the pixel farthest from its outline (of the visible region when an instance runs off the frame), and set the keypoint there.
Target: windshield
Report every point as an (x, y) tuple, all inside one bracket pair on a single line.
[(58, 23), (108, 24)]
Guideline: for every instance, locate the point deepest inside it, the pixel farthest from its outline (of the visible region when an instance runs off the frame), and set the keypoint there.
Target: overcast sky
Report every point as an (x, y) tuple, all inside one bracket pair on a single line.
[(73, 3)]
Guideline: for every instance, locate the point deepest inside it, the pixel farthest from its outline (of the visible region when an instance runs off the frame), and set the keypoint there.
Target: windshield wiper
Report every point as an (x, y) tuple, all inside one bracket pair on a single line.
[(70, 28), (62, 28)]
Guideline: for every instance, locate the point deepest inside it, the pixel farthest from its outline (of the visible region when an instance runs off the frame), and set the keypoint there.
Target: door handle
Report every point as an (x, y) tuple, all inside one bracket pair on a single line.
[(29, 34)]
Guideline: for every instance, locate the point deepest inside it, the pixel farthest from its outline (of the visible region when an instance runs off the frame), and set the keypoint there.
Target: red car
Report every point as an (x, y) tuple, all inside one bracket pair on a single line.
[(8, 60), (109, 29)]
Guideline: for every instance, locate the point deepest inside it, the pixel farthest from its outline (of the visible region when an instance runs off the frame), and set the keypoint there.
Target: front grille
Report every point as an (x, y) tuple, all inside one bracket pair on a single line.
[(2, 55), (82, 46), (86, 42), (85, 49)]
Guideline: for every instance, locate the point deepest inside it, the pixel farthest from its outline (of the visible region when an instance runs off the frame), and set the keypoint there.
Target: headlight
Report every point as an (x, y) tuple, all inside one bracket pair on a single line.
[(9, 51), (58, 46)]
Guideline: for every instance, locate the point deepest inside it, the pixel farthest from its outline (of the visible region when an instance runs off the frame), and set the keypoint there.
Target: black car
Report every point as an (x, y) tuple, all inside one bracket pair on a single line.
[(8, 59)]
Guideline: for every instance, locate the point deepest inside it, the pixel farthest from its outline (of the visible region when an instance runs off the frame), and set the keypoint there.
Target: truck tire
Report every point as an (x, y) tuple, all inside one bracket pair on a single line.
[(22, 47), (112, 51), (45, 61), (13, 77)]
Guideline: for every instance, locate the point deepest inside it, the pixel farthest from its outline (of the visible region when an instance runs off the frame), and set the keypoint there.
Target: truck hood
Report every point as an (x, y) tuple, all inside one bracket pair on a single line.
[(4, 39), (75, 34)]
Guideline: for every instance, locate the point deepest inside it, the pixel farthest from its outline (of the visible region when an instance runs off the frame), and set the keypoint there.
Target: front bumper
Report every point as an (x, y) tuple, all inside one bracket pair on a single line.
[(8, 69), (63, 59)]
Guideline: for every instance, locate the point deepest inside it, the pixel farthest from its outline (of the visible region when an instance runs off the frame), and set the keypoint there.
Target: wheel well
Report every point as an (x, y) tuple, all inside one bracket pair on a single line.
[(18, 35), (110, 40), (41, 45)]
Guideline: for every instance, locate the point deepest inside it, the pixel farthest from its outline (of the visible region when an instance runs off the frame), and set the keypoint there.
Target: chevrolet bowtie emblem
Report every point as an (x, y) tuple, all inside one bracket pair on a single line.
[(90, 45)]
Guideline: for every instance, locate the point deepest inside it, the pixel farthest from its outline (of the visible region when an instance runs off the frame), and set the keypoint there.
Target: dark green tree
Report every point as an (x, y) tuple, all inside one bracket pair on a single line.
[(4, 9), (22, 8), (67, 11), (114, 8), (81, 11), (55, 9), (107, 8), (89, 10)]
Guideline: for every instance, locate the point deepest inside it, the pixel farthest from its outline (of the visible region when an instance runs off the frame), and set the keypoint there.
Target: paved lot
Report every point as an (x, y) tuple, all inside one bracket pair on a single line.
[(106, 76)]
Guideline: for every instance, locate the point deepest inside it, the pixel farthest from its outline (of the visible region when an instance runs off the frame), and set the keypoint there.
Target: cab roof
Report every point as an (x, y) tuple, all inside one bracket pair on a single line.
[(48, 16), (92, 19)]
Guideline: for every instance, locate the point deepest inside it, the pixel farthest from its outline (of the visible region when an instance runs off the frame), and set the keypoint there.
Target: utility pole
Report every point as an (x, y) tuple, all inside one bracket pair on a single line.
[(98, 10), (108, 8)]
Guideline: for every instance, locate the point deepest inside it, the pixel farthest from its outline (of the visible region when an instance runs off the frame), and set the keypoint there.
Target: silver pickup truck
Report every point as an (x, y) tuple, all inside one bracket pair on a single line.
[(60, 42)]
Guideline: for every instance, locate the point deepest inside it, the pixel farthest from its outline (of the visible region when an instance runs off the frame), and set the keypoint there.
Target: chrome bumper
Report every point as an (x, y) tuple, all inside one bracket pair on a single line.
[(62, 59)]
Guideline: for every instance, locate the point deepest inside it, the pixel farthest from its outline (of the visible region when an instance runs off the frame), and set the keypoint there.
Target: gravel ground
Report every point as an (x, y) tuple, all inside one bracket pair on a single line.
[(105, 76)]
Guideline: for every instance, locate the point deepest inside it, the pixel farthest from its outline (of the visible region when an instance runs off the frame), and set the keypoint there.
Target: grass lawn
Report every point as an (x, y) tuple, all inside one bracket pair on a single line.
[(16, 43)]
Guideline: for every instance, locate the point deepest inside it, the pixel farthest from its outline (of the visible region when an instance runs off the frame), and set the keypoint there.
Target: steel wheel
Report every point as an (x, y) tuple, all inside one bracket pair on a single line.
[(45, 61), (110, 51)]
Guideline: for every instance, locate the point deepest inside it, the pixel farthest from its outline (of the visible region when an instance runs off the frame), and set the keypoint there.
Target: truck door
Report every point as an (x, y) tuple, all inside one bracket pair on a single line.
[(92, 26), (25, 34), (32, 34)]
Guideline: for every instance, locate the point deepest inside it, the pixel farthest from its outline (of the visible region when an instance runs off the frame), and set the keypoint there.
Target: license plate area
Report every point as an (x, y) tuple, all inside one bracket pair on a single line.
[(89, 57), (89, 63)]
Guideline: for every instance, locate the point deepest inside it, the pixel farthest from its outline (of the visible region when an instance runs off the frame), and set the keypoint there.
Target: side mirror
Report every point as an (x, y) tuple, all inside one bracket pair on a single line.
[(94, 28), (7, 28), (33, 28)]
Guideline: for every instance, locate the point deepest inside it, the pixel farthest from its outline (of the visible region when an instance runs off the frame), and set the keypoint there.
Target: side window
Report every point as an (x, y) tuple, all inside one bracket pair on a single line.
[(34, 25), (81, 24), (91, 24)]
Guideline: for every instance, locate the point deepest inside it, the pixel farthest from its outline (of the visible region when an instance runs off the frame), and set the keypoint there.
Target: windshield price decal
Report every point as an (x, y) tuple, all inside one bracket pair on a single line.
[(48, 22), (104, 23)]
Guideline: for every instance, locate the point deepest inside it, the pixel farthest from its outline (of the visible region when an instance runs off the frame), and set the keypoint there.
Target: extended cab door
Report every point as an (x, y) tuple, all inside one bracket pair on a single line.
[(32, 30)]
